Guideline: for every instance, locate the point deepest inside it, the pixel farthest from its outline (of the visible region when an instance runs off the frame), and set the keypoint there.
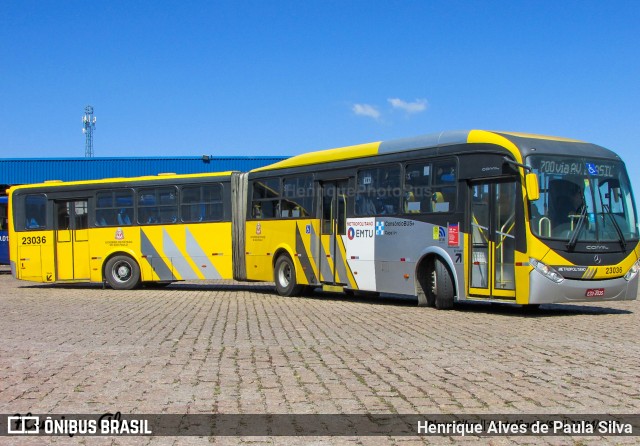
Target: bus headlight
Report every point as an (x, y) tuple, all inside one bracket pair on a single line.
[(633, 271), (546, 270)]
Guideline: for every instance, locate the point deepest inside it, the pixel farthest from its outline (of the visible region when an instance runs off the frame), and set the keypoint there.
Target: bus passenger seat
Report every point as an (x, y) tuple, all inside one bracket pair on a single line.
[(411, 205), (123, 218), (257, 210), (437, 198)]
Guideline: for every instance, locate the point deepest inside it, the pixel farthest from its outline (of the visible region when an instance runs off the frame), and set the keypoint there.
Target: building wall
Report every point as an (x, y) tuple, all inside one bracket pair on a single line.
[(32, 170)]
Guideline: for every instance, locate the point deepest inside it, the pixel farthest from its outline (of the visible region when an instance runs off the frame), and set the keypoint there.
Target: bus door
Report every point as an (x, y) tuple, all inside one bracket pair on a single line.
[(331, 253), (72, 240), (492, 247)]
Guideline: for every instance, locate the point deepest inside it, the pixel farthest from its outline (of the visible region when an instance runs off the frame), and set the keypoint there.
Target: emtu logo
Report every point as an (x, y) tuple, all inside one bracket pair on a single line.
[(351, 233)]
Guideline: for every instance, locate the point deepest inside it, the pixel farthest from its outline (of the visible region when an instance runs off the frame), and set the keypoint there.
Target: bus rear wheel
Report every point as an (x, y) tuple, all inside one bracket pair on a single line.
[(442, 285), (424, 274), (284, 275), (122, 273)]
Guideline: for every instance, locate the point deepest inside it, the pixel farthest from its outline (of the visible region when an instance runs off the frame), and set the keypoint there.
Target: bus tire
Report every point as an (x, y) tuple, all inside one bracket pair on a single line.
[(284, 275), (426, 298), (122, 273), (442, 285)]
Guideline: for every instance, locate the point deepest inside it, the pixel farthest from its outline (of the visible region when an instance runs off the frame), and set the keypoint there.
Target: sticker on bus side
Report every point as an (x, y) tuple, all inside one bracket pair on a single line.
[(360, 251), (454, 235)]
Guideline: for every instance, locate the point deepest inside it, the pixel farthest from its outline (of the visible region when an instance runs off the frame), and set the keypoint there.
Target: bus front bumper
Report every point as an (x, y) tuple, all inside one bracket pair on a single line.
[(545, 291)]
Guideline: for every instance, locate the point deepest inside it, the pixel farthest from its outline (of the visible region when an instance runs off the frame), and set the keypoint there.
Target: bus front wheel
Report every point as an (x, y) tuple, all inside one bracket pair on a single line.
[(442, 285), (122, 273), (284, 275)]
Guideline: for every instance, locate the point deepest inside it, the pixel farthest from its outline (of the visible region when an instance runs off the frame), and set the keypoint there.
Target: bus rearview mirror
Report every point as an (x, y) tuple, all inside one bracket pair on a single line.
[(533, 189)]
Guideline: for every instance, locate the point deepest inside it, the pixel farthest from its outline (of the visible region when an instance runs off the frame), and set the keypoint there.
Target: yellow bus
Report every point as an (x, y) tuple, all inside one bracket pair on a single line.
[(449, 217), (125, 231), (465, 215)]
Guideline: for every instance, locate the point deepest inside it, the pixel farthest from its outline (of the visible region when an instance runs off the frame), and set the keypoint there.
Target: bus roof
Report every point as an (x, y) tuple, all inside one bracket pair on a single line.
[(519, 144), (160, 176)]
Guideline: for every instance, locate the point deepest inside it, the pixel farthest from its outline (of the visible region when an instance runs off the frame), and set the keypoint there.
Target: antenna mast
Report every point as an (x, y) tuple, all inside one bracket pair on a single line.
[(89, 124)]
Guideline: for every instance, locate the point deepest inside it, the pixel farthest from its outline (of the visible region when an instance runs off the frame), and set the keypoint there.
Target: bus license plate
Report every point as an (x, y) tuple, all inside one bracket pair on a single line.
[(595, 292)]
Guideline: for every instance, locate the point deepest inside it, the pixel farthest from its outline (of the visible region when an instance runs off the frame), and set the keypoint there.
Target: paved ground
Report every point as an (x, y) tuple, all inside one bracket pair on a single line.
[(238, 348)]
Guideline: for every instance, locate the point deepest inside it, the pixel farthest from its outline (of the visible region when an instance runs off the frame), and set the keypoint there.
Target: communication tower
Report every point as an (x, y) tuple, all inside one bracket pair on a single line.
[(88, 125)]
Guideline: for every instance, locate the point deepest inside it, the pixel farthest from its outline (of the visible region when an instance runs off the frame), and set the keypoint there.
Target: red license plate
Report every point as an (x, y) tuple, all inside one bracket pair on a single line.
[(595, 292)]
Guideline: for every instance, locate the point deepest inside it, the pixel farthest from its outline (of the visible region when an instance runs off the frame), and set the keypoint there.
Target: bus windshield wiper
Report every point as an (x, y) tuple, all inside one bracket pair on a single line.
[(616, 226), (574, 237), (623, 242)]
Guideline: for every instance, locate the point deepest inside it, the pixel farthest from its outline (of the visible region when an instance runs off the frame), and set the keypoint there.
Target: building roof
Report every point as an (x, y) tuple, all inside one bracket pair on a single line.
[(36, 170)]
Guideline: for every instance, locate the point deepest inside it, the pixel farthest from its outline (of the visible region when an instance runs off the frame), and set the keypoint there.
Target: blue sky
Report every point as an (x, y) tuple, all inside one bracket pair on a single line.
[(285, 77)]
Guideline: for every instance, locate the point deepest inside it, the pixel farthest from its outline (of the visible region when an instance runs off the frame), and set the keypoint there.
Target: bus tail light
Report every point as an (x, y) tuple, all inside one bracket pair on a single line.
[(633, 271), (546, 270)]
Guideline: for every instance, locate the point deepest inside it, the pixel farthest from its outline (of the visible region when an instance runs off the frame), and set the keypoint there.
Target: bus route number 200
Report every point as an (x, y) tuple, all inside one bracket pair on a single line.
[(36, 240)]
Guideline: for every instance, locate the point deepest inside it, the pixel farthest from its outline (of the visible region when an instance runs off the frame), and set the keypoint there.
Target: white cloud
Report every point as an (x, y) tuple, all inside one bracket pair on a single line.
[(366, 110), (417, 106)]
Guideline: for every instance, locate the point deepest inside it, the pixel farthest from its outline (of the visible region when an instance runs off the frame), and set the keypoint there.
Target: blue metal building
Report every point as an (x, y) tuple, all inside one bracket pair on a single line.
[(33, 170)]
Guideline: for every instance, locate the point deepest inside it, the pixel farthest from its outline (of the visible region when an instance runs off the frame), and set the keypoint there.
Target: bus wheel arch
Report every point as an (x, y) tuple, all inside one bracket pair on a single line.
[(121, 272), (436, 283), (284, 274)]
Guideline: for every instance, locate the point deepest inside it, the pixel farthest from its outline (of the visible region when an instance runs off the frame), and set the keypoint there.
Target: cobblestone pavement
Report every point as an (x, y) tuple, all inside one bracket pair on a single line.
[(221, 347)]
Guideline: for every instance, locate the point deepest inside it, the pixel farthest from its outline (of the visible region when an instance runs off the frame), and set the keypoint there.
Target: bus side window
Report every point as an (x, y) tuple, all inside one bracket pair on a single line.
[(438, 203), (444, 190), (35, 206), (271, 209), (417, 188), (114, 207), (297, 197), (123, 217), (202, 203), (265, 199), (365, 206), (377, 191), (158, 205), (256, 211), (32, 223)]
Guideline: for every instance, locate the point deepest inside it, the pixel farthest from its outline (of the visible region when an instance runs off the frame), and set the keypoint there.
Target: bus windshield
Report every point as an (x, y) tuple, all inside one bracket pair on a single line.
[(582, 200)]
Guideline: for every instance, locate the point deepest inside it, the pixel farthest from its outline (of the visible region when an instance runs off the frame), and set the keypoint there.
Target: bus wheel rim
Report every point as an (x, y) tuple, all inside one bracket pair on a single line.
[(434, 282), (122, 271), (284, 275)]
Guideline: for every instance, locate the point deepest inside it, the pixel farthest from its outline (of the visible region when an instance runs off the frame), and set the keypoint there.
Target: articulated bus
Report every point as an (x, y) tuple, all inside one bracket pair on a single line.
[(455, 216), (4, 234)]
